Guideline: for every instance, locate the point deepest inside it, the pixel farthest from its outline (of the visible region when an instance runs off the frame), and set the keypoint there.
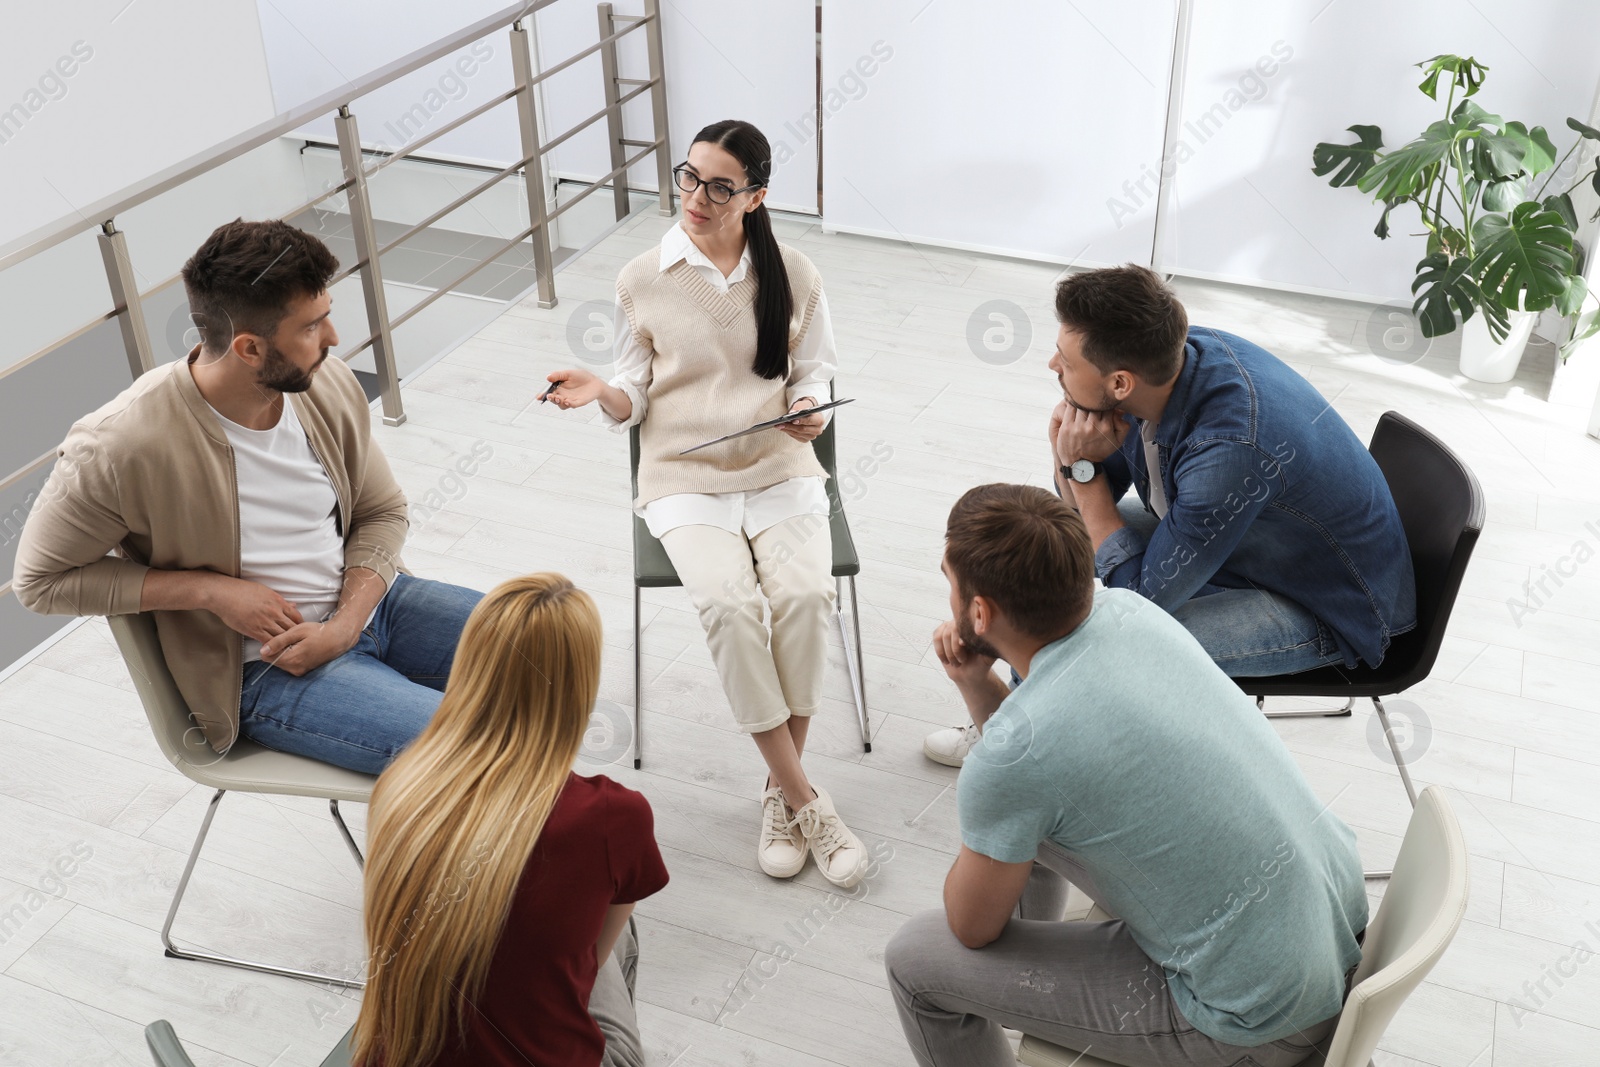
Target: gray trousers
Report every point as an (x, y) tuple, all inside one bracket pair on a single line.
[(1085, 985), (611, 1002), (610, 1005)]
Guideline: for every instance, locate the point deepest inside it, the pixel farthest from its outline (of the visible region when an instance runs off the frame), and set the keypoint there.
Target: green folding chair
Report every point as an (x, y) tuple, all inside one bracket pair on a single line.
[(652, 569)]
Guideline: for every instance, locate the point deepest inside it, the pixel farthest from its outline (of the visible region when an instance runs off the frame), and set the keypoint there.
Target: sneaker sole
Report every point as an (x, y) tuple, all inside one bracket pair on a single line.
[(851, 880), (940, 757), (781, 872)]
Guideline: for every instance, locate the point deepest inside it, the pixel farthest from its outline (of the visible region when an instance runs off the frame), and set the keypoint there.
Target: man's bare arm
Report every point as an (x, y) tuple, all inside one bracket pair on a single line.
[(363, 589)]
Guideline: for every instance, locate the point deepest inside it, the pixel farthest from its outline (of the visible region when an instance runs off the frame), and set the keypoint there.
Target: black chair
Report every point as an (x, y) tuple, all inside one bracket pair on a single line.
[(168, 1051), (652, 569), (1441, 508)]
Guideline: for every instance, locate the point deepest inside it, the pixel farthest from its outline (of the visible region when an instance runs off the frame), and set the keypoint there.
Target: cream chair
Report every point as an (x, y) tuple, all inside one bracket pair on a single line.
[(246, 768), (1416, 922)]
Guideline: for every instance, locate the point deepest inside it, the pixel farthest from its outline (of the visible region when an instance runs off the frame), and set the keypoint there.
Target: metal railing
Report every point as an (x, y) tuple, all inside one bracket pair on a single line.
[(128, 300)]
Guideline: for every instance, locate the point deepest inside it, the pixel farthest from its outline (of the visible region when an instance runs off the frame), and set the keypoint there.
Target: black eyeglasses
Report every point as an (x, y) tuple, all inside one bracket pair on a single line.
[(720, 192)]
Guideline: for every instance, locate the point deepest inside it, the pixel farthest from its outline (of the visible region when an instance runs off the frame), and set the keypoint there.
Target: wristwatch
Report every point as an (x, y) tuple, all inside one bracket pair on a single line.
[(1082, 471)]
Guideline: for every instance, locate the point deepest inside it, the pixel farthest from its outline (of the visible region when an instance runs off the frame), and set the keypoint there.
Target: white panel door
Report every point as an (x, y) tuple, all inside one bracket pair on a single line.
[(1005, 126), (1268, 79)]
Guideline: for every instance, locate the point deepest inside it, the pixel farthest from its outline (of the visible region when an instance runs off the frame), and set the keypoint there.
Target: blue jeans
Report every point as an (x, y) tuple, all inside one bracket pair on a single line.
[(1250, 633), (360, 710)]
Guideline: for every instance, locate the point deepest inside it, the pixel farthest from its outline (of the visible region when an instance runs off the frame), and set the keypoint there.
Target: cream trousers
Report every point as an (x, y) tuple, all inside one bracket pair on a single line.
[(767, 677)]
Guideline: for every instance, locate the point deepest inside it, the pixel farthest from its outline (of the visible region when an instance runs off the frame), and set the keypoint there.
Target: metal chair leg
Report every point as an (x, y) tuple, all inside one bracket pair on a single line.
[(177, 953), (1330, 714), (355, 850), (1405, 777), (638, 683), (858, 684), (1388, 732), (1399, 760)]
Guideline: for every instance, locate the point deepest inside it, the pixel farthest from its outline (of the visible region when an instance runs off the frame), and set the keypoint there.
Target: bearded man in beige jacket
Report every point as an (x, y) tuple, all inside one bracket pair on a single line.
[(250, 512)]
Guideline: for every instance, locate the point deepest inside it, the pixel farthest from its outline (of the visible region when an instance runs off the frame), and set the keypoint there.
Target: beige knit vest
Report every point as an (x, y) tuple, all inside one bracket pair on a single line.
[(701, 382)]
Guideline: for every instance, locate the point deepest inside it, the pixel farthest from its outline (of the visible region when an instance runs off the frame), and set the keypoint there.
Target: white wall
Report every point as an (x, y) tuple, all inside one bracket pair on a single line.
[(1005, 126), (1249, 208), (150, 84), (313, 47), (720, 63), (65, 286)]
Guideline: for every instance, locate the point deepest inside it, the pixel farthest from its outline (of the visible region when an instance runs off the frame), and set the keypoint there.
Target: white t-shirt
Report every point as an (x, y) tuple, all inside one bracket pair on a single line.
[(289, 537)]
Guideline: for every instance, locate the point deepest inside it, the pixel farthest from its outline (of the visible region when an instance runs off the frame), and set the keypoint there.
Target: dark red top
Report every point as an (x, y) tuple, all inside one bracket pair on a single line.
[(597, 849)]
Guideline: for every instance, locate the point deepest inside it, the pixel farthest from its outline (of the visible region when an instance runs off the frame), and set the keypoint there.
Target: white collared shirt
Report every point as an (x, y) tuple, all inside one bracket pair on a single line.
[(811, 374)]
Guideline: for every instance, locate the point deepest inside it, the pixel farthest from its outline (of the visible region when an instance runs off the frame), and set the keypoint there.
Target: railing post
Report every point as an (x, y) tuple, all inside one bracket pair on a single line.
[(608, 73), (371, 273), (125, 298), (658, 105), (533, 170)]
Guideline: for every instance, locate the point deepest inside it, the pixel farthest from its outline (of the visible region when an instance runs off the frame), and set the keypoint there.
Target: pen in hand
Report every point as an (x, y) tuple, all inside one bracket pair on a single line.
[(553, 387)]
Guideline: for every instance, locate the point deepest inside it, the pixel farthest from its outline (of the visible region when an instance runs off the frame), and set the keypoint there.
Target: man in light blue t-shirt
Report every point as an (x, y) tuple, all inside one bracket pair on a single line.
[(1129, 764)]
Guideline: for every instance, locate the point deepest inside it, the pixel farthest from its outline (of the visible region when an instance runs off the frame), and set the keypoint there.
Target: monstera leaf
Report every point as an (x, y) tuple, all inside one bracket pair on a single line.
[(1562, 205), (1512, 152), (1407, 170), (1570, 301), (1382, 229), (1448, 291), (1588, 131), (1586, 326), (1353, 160), (1527, 253), (1538, 152), (1506, 193), (1467, 73)]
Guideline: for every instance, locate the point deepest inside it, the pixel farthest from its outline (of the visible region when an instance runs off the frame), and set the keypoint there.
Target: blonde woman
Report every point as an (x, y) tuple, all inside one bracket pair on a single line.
[(500, 885), (726, 328)]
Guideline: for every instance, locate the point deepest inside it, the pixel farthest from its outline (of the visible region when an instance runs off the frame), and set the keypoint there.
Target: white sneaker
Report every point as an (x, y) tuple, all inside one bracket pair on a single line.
[(782, 851), (950, 747), (841, 856)]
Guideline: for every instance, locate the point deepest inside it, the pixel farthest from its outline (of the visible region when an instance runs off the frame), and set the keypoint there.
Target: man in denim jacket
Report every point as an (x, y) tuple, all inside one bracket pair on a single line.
[(1270, 532)]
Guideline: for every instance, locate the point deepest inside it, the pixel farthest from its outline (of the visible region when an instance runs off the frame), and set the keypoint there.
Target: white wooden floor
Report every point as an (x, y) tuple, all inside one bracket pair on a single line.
[(1515, 738)]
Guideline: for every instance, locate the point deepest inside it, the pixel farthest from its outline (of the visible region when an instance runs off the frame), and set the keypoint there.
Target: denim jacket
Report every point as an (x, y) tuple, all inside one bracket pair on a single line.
[(1267, 487)]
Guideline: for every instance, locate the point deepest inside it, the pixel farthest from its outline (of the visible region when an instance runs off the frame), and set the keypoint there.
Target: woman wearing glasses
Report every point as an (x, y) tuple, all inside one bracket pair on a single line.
[(726, 328)]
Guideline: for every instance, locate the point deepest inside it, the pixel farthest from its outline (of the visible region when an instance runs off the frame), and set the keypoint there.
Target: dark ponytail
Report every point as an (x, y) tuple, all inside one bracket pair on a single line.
[(774, 300)]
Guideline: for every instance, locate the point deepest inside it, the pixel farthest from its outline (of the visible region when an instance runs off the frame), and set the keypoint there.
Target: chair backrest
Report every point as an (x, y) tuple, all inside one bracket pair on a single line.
[(1419, 916), (180, 738), (1441, 508)]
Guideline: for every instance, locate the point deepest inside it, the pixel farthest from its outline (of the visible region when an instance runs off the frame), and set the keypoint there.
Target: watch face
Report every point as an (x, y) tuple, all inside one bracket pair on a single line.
[(1082, 471)]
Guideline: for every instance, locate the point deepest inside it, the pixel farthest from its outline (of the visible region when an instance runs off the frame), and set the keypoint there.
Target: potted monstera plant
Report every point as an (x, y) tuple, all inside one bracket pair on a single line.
[(1497, 209)]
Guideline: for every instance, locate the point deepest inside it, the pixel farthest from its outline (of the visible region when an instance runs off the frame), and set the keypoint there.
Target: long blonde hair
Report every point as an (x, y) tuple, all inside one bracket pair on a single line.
[(454, 819)]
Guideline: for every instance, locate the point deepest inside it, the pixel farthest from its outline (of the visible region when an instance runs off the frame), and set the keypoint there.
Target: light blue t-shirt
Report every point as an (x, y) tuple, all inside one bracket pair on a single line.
[(1128, 747)]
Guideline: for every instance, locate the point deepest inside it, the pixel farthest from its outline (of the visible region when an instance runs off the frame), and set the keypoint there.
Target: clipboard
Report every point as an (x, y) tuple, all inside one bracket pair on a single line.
[(791, 417)]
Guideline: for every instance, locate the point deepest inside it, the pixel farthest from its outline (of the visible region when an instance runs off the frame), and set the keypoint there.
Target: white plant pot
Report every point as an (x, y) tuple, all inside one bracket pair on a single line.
[(1484, 361)]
